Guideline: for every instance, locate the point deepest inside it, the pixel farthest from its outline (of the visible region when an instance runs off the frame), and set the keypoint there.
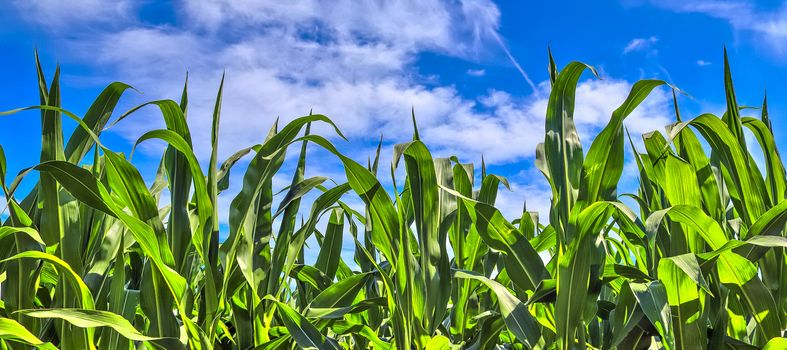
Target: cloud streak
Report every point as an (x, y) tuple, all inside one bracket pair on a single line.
[(514, 61), (640, 44), (83, 14), (768, 26)]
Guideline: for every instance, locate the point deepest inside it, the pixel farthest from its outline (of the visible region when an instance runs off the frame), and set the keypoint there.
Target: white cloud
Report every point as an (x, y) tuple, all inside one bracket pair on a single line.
[(421, 24), (58, 14), (353, 65), (640, 44), (528, 187), (768, 26), (476, 72), (3, 208), (703, 63), (511, 127), (356, 66)]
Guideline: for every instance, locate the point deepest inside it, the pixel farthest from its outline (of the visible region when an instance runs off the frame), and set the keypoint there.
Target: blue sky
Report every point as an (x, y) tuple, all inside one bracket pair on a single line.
[(474, 71)]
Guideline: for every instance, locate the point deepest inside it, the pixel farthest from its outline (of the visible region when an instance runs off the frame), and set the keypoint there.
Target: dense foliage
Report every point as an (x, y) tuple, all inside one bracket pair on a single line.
[(94, 257)]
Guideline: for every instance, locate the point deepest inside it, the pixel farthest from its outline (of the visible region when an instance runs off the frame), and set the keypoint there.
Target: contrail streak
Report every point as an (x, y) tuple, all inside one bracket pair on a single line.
[(513, 60)]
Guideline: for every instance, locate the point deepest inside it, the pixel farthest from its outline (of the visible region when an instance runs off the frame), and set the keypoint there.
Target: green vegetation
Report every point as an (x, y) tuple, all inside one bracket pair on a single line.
[(92, 259)]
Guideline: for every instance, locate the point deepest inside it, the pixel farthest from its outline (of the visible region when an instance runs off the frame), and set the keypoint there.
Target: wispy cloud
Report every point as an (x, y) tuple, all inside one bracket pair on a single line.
[(56, 14), (703, 63), (640, 44), (768, 26), (666, 73), (483, 17), (476, 72)]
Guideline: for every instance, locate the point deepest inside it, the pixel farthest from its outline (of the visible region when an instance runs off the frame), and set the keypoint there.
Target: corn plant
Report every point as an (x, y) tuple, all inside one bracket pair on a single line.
[(98, 256)]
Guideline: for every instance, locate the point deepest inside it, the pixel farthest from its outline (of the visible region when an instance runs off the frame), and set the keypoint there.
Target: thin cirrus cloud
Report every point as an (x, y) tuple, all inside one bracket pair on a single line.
[(641, 44), (769, 27), (78, 14), (476, 72), (356, 66)]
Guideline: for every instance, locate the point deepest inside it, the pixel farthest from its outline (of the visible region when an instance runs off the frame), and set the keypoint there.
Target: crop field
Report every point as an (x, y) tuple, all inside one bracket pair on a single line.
[(95, 257)]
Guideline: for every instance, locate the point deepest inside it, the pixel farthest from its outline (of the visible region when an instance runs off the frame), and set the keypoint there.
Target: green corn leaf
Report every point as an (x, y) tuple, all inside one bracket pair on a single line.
[(71, 277), (340, 312), (85, 318), (652, 298), (626, 315), (515, 314), (306, 335), (29, 231), (78, 181), (383, 213), (775, 344), (574, 272), (603, 164), (684, 284), (330, 251), (522, 261), (433, 262), (748, 194), (342, 293), (740, 275), (562, 148), (96, 117), (13, 331)]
